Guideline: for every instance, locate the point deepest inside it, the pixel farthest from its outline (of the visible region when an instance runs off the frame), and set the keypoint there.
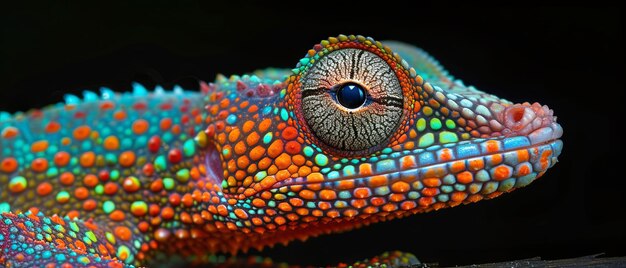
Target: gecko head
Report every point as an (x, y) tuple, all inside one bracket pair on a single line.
[(355, 134)]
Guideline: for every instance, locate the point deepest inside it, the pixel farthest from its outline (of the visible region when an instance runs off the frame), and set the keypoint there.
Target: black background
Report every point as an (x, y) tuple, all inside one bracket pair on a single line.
[(570, 58)]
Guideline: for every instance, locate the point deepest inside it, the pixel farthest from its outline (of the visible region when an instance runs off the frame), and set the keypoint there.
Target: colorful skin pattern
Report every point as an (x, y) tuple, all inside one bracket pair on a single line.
[(357, 133)]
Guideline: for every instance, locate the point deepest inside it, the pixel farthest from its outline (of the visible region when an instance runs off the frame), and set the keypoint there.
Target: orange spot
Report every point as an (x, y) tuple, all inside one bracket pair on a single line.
[(111, 143), (474, 198), (110, 188), (328, 195), (476, 164), (293, 147), (8, 165), (44, 188), (90, 180), (119, 115), (390, 207), (117, 215), (240, 213), (87, 159), (496, 159), (234, 135), (492, 146), (127, 159), (123, 233), (283, 161), (285, 207), (431, 182), (140, 126), (464, 177), (315, 177), (81, 133), (66, 141), (425, 201), (307, 194), (408, 205), (165, 123), (81, 193), (445, 155), (39, 146), (90, 205), (167, 213), (345, 184), (243, 162), (247, 126), (457, 166), (400, 187), (9, 132), (408, 162), (523, 170), (257, 153), (267, 182), (52, 127), (522, 155), (264, 125), (362, 193), (396, 197), (66, 178), (298, 160), (290, 133), (377, 201), (545, 159), (252, 138), (501, 173), (39, 165), (61, 159), (376, 181), (275, 149), (365, 169), (458, 196), (240, 148), (430, 191)]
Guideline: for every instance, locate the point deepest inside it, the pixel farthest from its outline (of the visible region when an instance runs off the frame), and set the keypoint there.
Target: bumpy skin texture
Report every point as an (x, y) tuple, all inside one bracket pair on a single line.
[(145, 177)]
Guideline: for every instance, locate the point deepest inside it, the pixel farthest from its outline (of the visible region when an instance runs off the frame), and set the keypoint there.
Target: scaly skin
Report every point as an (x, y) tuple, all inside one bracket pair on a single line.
[(251, 161)]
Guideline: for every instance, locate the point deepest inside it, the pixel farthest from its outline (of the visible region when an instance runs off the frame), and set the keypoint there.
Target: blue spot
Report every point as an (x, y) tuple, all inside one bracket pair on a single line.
[(386, 165), (333, 175), (426, 158), (283, 114), (515, 142), (90, 96), (467, 150), (231, 119), (71, 99), (139, 90), (345, 195), (60, 257)]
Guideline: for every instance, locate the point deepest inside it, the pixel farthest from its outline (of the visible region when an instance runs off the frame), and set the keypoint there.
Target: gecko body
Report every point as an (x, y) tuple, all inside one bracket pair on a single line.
[(357, 133)]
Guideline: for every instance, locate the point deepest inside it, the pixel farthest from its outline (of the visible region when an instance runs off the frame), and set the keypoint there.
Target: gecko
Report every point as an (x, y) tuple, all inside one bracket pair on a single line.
[(359, 132)]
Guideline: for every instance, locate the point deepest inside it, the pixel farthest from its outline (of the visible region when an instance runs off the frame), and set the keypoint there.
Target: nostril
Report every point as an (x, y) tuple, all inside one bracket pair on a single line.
[(517, 114)]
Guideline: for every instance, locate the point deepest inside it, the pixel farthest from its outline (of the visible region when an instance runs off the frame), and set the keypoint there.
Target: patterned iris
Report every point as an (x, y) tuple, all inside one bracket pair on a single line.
[(351, 95), (352, 101)]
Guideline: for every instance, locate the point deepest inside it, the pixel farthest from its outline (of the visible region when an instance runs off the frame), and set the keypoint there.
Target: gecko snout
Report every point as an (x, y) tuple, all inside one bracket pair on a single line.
[(533, 120)]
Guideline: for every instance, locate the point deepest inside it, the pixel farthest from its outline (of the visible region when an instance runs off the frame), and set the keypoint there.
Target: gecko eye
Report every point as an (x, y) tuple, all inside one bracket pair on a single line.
[(351, 95), (351, 100)]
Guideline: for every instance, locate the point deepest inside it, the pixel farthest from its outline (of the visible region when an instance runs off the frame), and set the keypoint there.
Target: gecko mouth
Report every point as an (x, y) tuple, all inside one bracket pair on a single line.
[(499, 159)]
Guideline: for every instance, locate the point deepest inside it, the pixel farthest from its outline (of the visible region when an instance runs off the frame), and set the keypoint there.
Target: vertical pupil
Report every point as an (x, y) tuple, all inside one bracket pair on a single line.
[(351, 96)]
